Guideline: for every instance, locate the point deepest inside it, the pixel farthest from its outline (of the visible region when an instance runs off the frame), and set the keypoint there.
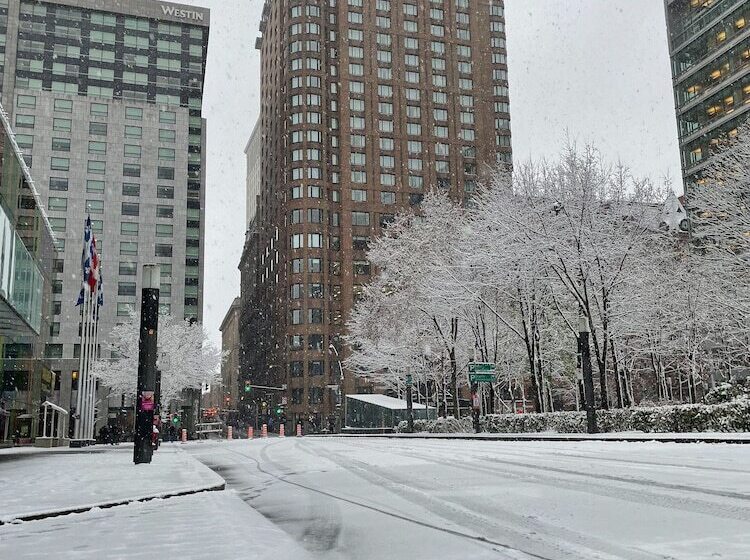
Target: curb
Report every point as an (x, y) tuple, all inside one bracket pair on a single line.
[(107, 505), (556, 437)]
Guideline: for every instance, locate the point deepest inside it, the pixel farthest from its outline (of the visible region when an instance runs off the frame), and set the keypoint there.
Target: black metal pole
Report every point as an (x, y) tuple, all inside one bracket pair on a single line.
[(475, 406), (409, 406), (146, 389)]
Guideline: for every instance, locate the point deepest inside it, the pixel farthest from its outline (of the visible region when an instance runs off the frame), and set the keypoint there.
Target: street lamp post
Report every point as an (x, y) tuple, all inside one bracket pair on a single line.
[(340, 393)]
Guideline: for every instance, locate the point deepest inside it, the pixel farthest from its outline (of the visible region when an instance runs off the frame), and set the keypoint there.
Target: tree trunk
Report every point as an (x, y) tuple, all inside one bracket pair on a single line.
[(618, 380)]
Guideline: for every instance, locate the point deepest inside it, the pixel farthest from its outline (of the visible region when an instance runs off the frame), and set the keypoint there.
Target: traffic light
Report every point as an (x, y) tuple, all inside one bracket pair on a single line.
[(279, 410), (175, 419), (248, 386)]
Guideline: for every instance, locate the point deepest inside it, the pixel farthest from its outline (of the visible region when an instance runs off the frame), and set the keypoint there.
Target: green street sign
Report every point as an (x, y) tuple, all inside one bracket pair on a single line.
[(481, 377), (477, 367), (481, 372)]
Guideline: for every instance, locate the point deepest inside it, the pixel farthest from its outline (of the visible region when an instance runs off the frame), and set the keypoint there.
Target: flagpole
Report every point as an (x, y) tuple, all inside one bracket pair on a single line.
[(93, 356), (89, 300), (79, 391), (85, 367), (78, 433), (89, 376)]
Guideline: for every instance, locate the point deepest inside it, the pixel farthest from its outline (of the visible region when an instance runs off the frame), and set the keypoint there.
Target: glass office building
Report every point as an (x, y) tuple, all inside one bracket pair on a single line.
[(26, 256), (709, 42)]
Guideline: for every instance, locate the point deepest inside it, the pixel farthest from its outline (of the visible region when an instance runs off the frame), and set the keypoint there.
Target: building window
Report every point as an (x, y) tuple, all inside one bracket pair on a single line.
[(361, 268), (296, 369), (131, 189), (164, 230), (316, 367), (26, 102), (61, 125), (95, 206), (164, 211), (134, 113), (58, 224), (360, 219), (98, 129), (63, 106), (132, 151), (133, 132), (128, 228), (130, 209), (128, 268), (315, 342), (162, 250), (126, 289), (57, 204), (60, 164), (131, 170), (58, 184), (129, 248), (96, 167)]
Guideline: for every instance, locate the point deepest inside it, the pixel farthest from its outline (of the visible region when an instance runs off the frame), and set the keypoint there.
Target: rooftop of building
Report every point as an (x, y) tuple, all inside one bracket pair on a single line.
[(384, 401), (233, 309), (153, 9)]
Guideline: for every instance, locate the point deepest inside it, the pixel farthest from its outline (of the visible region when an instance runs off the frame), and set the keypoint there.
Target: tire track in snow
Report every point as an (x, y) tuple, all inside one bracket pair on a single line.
[(593, 484), (545, 539), (498, 546)]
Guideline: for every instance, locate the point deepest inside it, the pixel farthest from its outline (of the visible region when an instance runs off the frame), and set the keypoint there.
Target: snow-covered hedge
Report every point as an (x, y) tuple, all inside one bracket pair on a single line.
[(733, 416)]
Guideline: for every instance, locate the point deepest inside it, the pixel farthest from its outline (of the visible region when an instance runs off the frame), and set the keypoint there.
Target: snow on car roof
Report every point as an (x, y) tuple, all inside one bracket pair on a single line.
[(385, 402)]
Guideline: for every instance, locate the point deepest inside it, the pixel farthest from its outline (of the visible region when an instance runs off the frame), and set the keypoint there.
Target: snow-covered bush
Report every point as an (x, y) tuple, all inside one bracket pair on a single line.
[(726, 392), (447, 425), (733, 416)]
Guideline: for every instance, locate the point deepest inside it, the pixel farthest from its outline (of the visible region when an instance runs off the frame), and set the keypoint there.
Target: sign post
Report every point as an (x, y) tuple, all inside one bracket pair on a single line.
[(409, 405), (146, 388), (479, 372)]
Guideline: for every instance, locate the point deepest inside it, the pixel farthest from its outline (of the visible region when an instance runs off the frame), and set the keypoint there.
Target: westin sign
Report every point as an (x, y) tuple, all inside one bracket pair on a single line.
[(180, 13)]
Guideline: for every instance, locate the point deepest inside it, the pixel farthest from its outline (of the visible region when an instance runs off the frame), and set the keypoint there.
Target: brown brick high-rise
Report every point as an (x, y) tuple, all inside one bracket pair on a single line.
[(366, 105)]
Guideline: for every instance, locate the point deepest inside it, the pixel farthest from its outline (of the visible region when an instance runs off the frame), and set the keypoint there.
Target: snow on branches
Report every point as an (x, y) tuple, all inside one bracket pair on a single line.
[(511, 277), (186, 358)]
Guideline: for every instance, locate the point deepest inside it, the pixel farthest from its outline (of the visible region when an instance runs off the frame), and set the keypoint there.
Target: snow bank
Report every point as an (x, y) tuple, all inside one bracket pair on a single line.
[(733, 416), (43, 484)]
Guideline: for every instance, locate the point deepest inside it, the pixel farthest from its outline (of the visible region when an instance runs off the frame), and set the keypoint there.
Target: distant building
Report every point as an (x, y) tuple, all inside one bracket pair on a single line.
[(253, 154), (709, 46), (106, 100), (365, 106), (230, 345), (27, 261)]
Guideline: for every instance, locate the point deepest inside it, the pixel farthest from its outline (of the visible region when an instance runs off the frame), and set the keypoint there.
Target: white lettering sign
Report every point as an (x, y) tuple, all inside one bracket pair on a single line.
[(180, 13)]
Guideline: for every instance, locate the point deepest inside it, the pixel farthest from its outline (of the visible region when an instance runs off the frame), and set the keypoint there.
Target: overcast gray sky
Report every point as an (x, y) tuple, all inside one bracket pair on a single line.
[(593, 70)]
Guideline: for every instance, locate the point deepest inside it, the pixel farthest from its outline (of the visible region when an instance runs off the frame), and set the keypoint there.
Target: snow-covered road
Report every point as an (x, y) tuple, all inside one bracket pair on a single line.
[(345, 498)]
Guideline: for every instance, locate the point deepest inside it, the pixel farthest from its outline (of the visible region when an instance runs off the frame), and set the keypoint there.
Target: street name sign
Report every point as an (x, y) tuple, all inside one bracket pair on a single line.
[(481, 372)]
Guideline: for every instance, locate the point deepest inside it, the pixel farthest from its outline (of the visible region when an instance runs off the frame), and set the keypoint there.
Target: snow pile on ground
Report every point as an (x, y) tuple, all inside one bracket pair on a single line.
[(38, 484), (733, 416), (208, 525)]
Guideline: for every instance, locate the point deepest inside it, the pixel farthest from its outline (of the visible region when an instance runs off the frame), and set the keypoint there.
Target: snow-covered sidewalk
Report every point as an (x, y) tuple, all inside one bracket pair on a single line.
[(42, 484), (209, 525), (99, 505)]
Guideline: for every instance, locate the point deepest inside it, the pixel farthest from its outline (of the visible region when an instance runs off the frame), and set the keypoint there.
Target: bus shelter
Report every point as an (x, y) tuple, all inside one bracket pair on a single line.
[(381, 411)]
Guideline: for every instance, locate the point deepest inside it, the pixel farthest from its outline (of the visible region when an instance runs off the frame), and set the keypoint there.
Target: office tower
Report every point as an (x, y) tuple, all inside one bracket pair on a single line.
[(366, 105), (709, 46), (106, 99)]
